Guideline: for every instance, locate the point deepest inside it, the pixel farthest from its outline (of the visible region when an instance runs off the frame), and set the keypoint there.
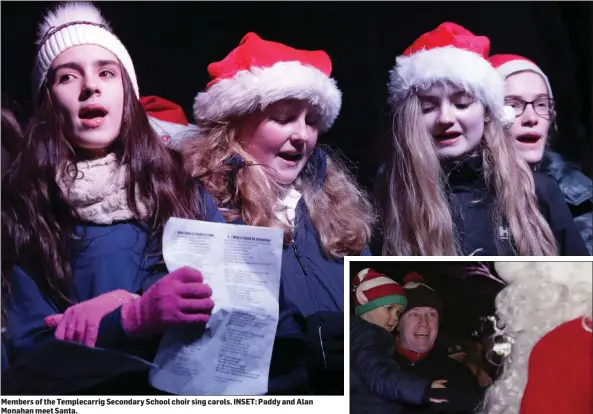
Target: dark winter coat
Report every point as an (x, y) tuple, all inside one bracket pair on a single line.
[(107, 258), (461, 389), (577, 189), (473, 220), (378, 385), (309, 349), (472, 210)]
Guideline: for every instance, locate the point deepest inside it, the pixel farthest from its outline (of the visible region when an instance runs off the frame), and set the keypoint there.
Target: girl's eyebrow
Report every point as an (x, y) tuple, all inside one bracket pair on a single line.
[(78, 67)]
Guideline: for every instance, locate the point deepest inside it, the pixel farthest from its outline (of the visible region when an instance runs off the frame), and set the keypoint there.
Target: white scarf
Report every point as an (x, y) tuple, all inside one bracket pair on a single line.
[(98, 192)]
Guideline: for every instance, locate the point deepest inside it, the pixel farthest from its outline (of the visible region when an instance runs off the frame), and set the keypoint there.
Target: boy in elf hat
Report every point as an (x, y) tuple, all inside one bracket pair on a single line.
[(454, 184), (529, 93), (377, 382)]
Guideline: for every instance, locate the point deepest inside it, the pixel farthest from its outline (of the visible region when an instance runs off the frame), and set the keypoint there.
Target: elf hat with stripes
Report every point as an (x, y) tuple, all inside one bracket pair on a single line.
[(373, 290)]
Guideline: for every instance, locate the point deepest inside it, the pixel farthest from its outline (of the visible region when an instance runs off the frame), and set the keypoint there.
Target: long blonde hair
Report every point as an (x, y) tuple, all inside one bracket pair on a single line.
[(415, 208), (339, 210)]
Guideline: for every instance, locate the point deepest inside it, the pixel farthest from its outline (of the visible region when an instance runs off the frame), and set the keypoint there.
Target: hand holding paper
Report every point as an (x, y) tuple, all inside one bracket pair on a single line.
[(179, 298), (231, 354)]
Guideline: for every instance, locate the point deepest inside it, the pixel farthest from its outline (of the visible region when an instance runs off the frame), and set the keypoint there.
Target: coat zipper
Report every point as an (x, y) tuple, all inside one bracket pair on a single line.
[(298, 257)]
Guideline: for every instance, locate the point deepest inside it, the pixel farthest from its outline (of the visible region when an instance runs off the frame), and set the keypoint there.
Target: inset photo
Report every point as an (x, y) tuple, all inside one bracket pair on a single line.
[(470, 337)]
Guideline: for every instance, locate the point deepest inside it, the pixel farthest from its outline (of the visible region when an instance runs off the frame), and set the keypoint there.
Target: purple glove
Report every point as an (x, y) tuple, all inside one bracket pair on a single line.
[(177, 299), (80, 323)]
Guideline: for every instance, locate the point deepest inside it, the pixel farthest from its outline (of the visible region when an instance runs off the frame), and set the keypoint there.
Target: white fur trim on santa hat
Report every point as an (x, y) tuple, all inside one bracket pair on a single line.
[(84, 31), (252, 90), (172, 134), (520, 65), (459, 66)]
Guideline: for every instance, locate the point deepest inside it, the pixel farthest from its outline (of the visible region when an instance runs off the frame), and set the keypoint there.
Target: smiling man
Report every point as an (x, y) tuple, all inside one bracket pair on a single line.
[(419, 352)]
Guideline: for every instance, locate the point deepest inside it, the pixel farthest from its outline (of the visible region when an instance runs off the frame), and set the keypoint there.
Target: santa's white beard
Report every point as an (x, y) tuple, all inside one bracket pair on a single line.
[(528, 309)]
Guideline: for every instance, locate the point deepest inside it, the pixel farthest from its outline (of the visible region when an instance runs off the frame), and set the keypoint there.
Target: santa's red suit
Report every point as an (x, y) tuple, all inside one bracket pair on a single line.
[(560, 376)]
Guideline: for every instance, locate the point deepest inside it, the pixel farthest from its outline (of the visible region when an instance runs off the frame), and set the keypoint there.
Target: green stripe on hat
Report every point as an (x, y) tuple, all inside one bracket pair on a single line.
[(382, 301)]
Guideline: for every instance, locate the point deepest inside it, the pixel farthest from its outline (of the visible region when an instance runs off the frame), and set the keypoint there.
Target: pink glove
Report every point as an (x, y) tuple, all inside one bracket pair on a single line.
[(80, 323), (177, 299)]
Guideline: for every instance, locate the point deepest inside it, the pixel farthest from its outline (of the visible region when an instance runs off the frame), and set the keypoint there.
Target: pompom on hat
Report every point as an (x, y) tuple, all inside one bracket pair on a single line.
[(507, 65), (373, 290), (168, 121), (73, 24), (420, 294), (450, 53), (258, 73)]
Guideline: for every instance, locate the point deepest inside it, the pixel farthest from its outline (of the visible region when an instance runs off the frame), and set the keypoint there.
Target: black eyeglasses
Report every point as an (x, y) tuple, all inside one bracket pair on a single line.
[(543, 107)]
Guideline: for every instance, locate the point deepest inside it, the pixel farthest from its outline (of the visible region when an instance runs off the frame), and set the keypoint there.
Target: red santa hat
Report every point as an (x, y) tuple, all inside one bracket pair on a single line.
[(373, 290), (450, 53), (168, 120), (72, 24), (507, 65), (259, 72)]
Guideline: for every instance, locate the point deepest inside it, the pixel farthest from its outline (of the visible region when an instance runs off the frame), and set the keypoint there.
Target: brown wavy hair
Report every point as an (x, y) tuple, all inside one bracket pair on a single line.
[(12, 136), (414, 204), (38, 220), (340, 212)]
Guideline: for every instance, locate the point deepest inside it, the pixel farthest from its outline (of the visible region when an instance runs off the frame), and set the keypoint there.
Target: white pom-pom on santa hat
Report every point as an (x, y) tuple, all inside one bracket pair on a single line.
[(454, 54), (508, 116), (73, 24), (259, 72)]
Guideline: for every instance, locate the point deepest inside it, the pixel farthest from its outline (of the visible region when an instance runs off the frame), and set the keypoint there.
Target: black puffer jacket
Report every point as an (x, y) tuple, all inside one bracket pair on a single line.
[(377, 383), (462, 389)]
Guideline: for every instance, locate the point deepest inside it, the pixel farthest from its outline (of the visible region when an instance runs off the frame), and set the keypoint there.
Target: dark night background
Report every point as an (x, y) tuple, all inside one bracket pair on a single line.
[(466, 297), (172, 43)]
